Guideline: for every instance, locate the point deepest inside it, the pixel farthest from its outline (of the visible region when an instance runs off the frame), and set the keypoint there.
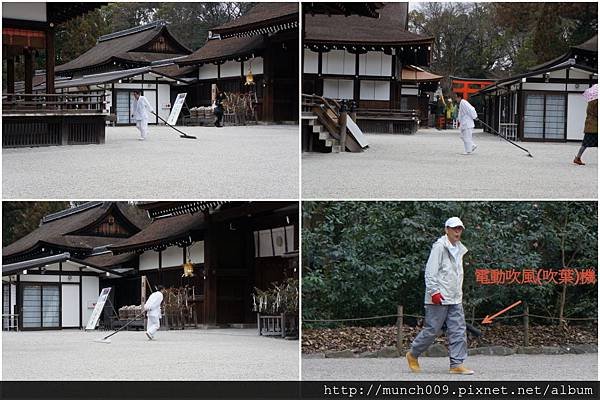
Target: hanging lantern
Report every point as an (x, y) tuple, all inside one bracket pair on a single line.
[(249, 76), (188, 269)]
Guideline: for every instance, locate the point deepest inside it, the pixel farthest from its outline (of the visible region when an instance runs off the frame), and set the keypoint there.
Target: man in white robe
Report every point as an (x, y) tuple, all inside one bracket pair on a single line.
[(152, 309), (466, 117), (140, 110)]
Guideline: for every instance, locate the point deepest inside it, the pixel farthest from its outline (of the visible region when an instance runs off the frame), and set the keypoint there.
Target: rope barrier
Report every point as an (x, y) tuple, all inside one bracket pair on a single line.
[(475, 319)]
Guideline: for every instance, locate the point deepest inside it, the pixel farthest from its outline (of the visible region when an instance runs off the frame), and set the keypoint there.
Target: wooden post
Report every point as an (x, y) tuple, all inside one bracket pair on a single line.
[(399, 335), (343, 127), (51, 61), (144, 283), (210, 277), (28, 71), (10, 76), (526, 325)]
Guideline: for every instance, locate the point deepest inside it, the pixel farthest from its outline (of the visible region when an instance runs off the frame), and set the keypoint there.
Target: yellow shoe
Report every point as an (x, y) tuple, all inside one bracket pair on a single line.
[(461, 370), (413, 362)]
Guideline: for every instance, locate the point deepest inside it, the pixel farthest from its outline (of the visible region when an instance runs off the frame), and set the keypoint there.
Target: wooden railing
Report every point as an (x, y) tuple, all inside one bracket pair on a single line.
[(63, 103), (369, 120), (53, 119)]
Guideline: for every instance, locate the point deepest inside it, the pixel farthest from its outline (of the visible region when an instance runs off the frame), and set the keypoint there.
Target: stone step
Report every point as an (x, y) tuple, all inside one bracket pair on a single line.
[(308, 115), (336, 149), (331, 142), (323, 135), (318, 128)]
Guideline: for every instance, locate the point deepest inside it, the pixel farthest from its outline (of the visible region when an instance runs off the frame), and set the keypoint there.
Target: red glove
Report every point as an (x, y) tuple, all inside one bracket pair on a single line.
[(437, 298)]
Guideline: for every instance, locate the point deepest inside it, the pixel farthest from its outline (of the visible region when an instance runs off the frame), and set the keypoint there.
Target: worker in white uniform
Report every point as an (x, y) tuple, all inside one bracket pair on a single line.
[(141, 108), (152, 309), (466, 118)]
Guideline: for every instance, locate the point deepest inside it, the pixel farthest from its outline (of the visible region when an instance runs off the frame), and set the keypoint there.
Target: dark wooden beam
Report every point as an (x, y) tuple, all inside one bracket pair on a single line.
[(268, 95), (210, 277), (50, 60), (10, 75), (28, 71)]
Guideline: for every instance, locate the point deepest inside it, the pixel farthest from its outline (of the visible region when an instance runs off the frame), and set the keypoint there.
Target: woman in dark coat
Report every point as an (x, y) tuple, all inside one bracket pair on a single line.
[(590, 130), (219, 98)]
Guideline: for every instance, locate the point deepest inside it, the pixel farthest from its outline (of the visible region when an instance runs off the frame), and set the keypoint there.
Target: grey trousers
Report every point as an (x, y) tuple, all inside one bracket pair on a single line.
[(435, 316)]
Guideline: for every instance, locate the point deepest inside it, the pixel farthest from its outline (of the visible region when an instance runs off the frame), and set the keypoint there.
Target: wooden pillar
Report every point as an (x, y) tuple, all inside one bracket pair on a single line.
[(50, 60), (17, 310), (343, 125), (10, 75), (526, 325), (160, 281), (399, 325), (28, 71), (210, 276), (249, 264), (268, 98)]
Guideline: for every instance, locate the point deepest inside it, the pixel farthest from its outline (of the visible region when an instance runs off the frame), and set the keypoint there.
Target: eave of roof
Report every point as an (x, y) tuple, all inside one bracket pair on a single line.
[(161, 233), (126, 48), (510, 80), (262, 16), (370, 10), (387, 30), (56, 232), (230, 48)]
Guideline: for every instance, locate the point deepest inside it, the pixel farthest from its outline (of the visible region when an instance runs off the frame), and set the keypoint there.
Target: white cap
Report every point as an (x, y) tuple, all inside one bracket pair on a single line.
[(454, 222)]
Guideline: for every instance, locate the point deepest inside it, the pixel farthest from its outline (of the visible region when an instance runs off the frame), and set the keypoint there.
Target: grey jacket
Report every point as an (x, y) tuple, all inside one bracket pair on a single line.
[(443, 274)]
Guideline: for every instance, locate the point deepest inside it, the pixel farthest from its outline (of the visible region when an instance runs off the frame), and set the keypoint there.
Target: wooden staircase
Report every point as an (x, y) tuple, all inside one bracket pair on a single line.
[(321, 128)]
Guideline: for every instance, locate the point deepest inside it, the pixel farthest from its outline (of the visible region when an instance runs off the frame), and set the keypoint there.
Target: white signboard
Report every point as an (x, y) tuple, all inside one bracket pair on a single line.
[(172, 120), (357, 133), (91, 325)]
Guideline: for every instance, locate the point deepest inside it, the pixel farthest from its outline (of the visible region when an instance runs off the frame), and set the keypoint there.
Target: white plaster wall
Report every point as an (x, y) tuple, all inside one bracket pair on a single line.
[(39, 278), (25, 11), (410, 91), (70, 306), (374, 90), (208, 71), (13, 297), (148, 260), (71, 266), (164, 101), (172, 257), (338, 62), (230, 68), (281, 238), (290, 237), (90, 289), (257, 66), (338, 88), (265, 244), (311, 62), (577, 106), (151, 96), (375, 63), (196, 251), (556, 87), (130, 85)]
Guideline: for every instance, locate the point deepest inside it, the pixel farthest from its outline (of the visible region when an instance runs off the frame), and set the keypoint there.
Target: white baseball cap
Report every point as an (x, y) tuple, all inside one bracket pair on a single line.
[(454, 222)]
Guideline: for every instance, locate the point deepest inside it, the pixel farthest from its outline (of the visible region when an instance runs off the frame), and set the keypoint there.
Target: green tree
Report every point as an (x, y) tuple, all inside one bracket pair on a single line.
[(19, 218), (362, 259)]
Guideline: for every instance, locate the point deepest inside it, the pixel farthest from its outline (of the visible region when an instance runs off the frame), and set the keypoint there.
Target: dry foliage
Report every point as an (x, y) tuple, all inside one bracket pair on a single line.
[(359, 339)]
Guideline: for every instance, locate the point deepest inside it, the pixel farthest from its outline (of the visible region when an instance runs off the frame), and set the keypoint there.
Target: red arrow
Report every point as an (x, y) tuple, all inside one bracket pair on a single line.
[(488, 319)]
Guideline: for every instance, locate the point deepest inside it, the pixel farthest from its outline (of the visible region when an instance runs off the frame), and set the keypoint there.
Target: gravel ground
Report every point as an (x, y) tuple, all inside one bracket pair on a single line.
[(251, 162), (223, 354), (429, 165), (568, 367)]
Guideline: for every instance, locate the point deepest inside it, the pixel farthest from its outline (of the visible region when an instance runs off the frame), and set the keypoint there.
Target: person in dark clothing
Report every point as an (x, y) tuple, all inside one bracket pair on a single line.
[(590, 130), (219, 98)]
